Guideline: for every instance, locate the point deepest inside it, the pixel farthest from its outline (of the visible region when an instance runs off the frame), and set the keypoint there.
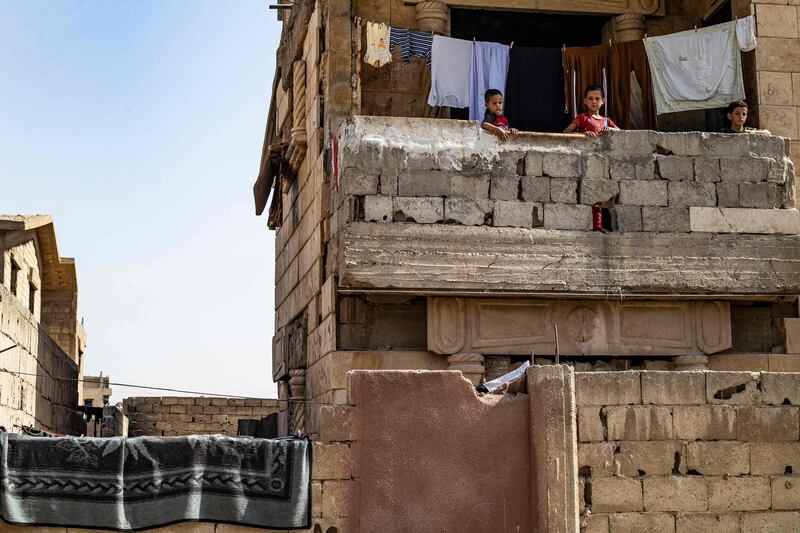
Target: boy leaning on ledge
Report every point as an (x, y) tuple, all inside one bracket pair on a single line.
[(737, 116), (493, 120), (592, 123)]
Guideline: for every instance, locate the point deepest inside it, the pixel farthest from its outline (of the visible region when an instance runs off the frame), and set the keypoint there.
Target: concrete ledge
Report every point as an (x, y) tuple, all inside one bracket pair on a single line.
[(736, 220)]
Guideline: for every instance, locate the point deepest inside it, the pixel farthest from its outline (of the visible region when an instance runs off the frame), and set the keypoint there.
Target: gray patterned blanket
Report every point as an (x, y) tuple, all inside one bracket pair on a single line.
[(143, 482)]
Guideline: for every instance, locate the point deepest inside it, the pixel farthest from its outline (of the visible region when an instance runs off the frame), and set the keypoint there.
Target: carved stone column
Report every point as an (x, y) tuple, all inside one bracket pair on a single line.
[(690, 362), (297, 396), (470, 365), (297, 146), (432, 17), (629, 27)]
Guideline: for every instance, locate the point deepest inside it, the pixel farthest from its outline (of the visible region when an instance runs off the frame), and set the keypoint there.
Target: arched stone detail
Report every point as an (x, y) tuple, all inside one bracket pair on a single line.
[(447, 327), (432, 16), (629, 27)]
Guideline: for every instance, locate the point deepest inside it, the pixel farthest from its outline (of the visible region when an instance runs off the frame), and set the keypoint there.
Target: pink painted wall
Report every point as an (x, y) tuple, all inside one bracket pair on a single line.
[(433, 456)]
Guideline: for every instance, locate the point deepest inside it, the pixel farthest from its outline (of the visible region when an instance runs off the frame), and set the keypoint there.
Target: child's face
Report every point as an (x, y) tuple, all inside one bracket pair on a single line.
[(495, 104), (738, 117), (593, 101)]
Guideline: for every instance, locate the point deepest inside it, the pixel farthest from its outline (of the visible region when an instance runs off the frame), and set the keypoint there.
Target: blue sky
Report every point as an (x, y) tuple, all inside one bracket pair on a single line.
[(138, 125)]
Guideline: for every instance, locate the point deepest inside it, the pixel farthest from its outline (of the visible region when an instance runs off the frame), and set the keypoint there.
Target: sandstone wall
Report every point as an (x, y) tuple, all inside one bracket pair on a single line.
[(21, 249), (175, 415), (689, 451)]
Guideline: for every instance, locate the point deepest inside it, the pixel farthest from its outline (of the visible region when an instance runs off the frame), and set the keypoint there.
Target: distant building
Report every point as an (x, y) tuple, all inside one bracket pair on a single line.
[(96, 391)]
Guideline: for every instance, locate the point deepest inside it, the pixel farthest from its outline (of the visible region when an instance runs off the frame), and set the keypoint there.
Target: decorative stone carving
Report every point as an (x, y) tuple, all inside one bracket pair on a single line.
[(432, 16), (609, 7), (629, 27), (586, 327), (470, 365), (299, 142), (297, 397)]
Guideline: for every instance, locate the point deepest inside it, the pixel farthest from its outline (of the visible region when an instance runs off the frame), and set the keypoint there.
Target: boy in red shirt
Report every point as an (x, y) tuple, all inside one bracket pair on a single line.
[(592, 123), (493, 120)]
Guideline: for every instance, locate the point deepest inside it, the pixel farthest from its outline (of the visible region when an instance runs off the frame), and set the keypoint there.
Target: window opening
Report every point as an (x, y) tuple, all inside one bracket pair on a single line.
[(15, 270)]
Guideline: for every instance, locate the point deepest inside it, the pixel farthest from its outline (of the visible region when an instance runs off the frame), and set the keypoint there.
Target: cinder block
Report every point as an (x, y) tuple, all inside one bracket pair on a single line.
[(675, 493), (389, 184), (331, 461), (594, 523), (420, 210), (743, 169), (706, 169), (593, 191), (533, 164), (706, 422), (718, 458), (658, 458), (780, 522), (619, 170), (377, 208), (642, 522), (536, 189), (616, 494), (505, 188), (786, 493), (567, 216), (779, 171), (607, 388), (564, 191), (590, 426), (595, 167), (467, 212), (561, 165), (513, 214), (357, 183), (666, 219), (727, 194), (692, 193), (629, 217), (673, 388), (598, 458), (739, 494), (645, 169), (702, 523), (736, 220), (760, 195), (643, 193), (472, 187), (423, 183), (780, 388), (639, 422), (765, 424), (675, 168)]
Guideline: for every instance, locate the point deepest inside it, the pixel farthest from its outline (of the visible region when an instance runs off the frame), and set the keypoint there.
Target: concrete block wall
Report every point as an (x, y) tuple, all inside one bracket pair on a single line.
[(172, 416), (428, 172), (23, 254), (689, 451)]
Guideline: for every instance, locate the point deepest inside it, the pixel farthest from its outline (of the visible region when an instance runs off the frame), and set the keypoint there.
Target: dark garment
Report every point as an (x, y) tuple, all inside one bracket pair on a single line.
[(630, 57), (534, 99), (496, 120), (263, 185), (583, 66), (412, 43), (728, 129)]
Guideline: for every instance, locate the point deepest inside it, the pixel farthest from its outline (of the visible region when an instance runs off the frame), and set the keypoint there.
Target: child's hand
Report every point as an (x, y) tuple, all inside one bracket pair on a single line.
[(514, 131), (590, 134), (502, 134)]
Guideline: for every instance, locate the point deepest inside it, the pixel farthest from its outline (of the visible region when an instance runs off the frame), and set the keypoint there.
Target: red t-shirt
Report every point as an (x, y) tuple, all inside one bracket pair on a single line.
[(587, 122)]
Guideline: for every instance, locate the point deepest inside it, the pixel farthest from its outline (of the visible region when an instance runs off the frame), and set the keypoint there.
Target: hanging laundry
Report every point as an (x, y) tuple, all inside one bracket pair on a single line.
[(378, 53), (451, 61), (629, 64), (534, 97), (583, 66), (412, 43), (696, 69), (746, 33), (489, 71)]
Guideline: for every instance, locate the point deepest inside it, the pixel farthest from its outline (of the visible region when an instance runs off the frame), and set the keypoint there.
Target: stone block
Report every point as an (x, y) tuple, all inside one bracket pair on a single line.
[(627, 143), (331, 462), (378, 208), (775, 88), (594, 191), (629, 217), (505, 188), (642, 522), (742, 169), (718, 458), (607, 388), (692, 193), (779, 120), (567, 216), (765, 424), (658, 458), (561, 165), (721, 145), (639, 422), (780, 171), (733, 220), (706, 422), (673, 388), (597, 458), (419, 210), (666, 219), (733, 388), (336, 423), (536, 189), (675, 493), (590, 426), (776, 522), (616, 494), (424, 183), (533, 164), (389, 184), (357, 183), (643, 193), (739, 494), (472, 187), (316, 499), (675, 168), (513, 214), (791, 331), (467, 212), (564, 191), (780, 388), (783, 362), (620, 170), (707, 169), (338, 498), (595, 167), (594, 524), (727, 194), (760, 195), (786, 493), (645, 169), (706, 523), (776, 21)]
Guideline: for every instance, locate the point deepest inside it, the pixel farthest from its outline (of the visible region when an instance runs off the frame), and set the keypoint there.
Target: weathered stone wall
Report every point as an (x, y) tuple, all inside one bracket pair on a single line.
[(20, 248), (34, 398), (172, 416), (689, 451)]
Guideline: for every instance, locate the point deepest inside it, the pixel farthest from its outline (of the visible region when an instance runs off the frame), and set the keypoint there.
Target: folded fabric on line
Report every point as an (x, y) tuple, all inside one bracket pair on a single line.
[(450, 72), (489, 71), (144, 482), (746, 33), (696, 69)]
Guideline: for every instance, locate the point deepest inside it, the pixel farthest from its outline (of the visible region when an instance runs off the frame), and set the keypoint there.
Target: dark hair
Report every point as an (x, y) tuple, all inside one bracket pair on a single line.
[(737, 103), (491, 92), (591, 88)]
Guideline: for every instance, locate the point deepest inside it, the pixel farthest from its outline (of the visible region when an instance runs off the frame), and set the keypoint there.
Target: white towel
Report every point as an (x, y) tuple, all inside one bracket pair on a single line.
[(746, 33), (451, 59)]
